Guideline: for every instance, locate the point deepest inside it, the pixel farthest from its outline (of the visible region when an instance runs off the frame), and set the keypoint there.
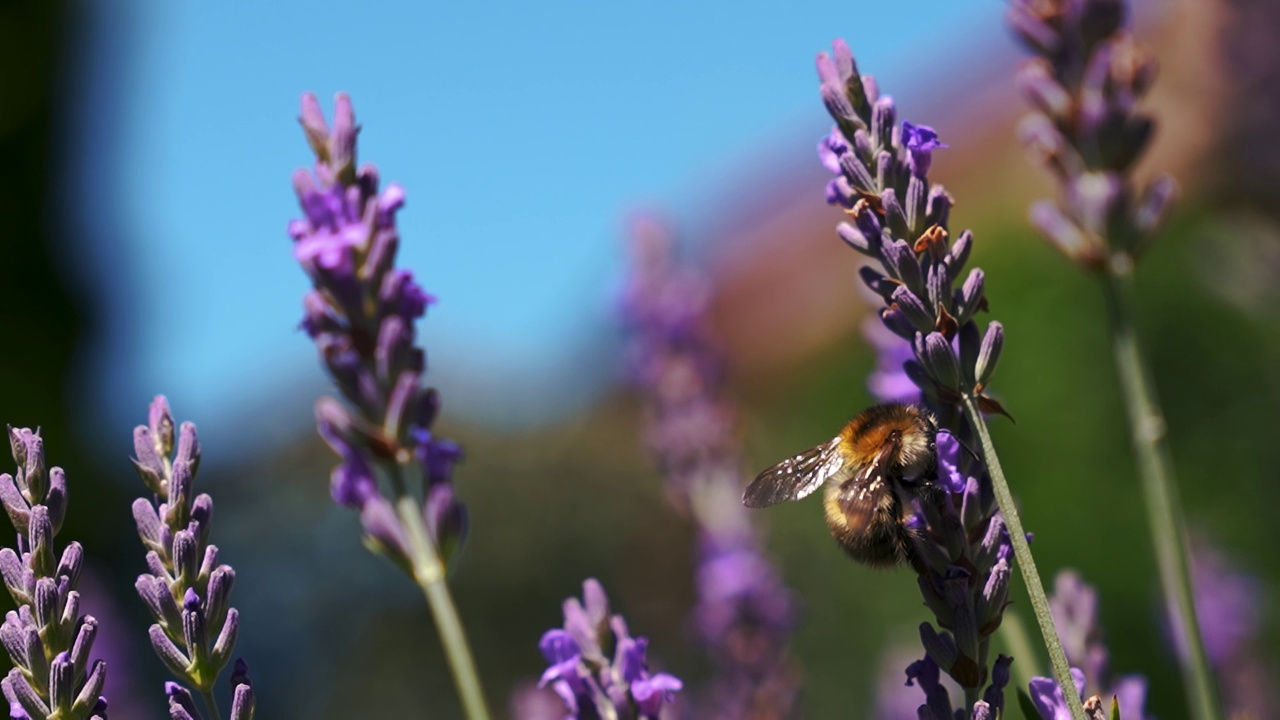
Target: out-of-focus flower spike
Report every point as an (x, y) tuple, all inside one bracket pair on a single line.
[(1063, 234)]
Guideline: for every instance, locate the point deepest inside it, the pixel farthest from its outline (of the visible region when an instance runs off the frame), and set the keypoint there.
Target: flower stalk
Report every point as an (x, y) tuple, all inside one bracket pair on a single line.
[(361, 313), (1026, 562), (963, 542), (1085, 84)]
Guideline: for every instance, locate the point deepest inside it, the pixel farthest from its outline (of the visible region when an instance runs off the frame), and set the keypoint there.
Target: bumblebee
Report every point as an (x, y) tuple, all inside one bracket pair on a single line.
[(881, 456)]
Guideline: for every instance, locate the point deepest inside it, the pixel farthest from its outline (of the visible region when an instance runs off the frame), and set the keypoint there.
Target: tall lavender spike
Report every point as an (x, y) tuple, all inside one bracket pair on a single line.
[(1085, 83), (48, 641), (966, 535), (593, 684), (187, 588), (744, 614), (361, 313)]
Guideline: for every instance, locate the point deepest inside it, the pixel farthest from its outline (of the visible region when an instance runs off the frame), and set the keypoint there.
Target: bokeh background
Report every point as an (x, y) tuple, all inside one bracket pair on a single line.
[(145, 157)]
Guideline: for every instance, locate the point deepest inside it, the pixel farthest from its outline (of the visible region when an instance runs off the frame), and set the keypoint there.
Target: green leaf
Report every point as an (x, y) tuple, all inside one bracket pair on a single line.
[(1115, 708)]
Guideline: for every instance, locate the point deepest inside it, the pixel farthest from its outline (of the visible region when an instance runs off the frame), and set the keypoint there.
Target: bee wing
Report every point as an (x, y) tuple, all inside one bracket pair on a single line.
[(795, 477)]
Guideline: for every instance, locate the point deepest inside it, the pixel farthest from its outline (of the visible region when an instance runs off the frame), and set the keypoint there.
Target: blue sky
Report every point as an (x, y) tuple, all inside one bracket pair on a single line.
[(523, 132)]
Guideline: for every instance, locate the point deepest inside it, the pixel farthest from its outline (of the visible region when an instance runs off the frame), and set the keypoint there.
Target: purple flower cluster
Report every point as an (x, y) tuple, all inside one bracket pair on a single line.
[(961, 549), (1075, 613), (1085, 86), (744, 615), (47, 639), (186, 588), (598, 669), (361, 313), (1229, 605), (963, 562)]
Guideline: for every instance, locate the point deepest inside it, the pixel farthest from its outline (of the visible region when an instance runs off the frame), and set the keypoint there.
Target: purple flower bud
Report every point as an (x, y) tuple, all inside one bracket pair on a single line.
[(1048, 699), (18, 691), (854, 238), (169, 654), (14, 504), (831, 148), (446, 519), (1062, 233), (901, 261), (913, 309), (920, 141), (220, 653), (941, 648), (1037, 84), (989, 353), (939, 360), (160, 422)]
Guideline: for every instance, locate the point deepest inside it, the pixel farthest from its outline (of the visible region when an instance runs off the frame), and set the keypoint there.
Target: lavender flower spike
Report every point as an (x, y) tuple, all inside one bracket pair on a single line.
[(965, 529), (1085, 82), (591, 684), (1075, 612), (744, 614), (361, 313), (195, 639), (48, 641)]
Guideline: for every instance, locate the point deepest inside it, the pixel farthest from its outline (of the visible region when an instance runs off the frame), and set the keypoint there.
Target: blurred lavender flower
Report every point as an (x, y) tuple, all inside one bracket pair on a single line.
[(361, 313), (1229, 605), (744, 615), (186, 588), (47, 638), (889, 382), (590, 682), (961, 549), (1075, 613), (1085, 86)]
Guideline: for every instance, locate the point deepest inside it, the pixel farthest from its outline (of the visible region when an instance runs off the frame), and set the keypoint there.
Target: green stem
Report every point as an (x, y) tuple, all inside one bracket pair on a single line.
[(210, 704), (428, 573), (1027, 564), (1155, 471)]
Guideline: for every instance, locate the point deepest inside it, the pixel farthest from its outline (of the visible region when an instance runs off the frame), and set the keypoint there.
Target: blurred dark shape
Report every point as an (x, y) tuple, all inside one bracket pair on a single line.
[(46, 317), (1246, 160)]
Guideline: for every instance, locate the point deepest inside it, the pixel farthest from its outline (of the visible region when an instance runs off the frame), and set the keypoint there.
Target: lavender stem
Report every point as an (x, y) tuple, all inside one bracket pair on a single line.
[(1155, 470), (1026, 563), (210, 704), (428, 573)]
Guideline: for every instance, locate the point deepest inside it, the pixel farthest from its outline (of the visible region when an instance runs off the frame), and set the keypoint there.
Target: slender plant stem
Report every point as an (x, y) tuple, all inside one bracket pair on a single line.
[(1155, 470), (428, 573), (210, 704), (1026, 563)]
